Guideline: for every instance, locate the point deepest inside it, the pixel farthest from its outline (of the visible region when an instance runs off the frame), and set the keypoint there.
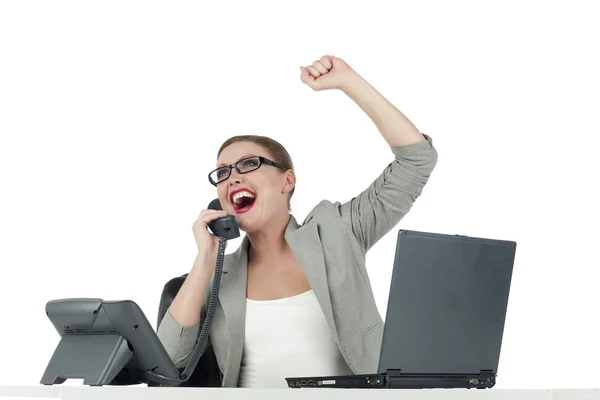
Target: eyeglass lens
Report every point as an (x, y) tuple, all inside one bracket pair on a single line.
[(245, 165)]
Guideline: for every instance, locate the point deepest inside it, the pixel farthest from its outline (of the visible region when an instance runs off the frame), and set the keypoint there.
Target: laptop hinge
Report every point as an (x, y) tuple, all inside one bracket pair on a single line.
[(397, 372)]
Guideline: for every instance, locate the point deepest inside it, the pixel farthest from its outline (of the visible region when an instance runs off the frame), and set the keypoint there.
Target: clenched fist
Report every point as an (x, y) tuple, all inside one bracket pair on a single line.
[(329, 72)]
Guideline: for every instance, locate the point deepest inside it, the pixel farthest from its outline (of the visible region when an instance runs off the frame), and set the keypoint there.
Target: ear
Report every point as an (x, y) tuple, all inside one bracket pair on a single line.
[(289, 182)]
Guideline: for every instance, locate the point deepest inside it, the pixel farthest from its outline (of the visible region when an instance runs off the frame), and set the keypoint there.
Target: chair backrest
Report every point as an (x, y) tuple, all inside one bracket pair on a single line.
[(207, 372)]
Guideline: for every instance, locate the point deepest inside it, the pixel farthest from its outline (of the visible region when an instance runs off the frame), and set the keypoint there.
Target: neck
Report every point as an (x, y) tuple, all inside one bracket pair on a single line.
[(269, 242)]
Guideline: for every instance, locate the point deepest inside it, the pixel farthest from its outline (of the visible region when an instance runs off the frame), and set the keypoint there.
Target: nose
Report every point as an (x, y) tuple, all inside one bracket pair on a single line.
[(235, 177)]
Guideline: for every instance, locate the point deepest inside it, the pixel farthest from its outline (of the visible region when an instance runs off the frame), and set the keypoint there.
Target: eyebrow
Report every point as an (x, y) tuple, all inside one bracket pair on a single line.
[(246, 156)]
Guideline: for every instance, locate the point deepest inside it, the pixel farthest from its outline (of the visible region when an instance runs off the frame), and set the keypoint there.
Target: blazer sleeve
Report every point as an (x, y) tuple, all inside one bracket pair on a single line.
[(375, 211), (179, 341)]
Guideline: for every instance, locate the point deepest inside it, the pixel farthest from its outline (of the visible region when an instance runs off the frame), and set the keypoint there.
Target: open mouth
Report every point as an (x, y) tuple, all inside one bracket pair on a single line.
[(243, 200)]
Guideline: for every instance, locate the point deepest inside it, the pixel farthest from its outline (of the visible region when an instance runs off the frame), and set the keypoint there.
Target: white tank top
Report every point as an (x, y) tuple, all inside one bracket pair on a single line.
[(287, 338)]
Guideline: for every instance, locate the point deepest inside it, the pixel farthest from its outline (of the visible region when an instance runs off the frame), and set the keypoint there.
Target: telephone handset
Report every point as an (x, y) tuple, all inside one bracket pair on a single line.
[(225, 228)]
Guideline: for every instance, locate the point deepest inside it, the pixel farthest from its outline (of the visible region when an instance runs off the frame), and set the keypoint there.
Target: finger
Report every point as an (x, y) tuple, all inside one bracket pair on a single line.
[(209, 211), (319, 67), (305, 77), (203, 222), (209, 215), (313, 72), (326, 61), (216, 214)]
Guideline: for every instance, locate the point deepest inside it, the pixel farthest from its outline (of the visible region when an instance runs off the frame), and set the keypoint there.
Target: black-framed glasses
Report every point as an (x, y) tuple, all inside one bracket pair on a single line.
[(243, 166)]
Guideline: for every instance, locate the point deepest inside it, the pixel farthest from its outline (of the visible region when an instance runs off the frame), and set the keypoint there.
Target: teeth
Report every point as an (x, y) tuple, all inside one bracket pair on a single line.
[(239, 195)]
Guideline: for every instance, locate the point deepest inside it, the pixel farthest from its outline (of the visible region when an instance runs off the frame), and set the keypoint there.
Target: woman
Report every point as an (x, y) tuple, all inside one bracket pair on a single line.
[(295, 300)]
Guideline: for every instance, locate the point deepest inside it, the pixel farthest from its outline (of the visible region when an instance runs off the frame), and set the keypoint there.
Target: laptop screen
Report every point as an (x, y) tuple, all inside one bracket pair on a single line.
[(447, 304)]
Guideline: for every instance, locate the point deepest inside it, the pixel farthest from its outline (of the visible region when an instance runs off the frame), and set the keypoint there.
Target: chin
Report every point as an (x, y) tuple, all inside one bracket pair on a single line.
[(248, 222), (248, 228)]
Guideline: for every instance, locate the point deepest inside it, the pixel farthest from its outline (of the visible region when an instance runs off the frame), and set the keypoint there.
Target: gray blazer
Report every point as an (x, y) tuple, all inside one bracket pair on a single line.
[(330, 246)]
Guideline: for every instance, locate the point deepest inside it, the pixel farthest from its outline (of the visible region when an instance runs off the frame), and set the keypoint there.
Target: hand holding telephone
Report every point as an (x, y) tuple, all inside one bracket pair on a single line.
[(213, 224), (225, 227)]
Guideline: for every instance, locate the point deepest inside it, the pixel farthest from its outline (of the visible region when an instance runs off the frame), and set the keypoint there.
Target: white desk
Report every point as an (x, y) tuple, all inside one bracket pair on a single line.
[(160, 393)]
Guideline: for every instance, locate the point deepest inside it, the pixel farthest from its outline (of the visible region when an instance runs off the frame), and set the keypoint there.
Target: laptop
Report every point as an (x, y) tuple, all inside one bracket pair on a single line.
[(445, 315)]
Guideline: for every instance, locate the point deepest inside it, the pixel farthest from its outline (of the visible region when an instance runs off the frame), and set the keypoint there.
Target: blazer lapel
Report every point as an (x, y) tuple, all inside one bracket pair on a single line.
[(305, 244)]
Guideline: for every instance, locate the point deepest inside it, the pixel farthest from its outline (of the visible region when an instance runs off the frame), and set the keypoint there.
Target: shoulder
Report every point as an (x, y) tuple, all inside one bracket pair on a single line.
[(334, 232), (327, 213)]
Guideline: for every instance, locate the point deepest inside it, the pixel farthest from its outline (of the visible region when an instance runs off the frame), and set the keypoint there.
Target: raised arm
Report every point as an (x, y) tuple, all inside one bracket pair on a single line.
[(375, 211)]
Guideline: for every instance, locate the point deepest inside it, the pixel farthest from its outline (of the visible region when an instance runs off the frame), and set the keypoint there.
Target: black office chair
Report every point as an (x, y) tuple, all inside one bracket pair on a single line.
[(207, 372)]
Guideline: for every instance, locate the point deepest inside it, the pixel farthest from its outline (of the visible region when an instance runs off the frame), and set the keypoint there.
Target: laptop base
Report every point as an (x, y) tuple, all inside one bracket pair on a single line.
[(394, 380)]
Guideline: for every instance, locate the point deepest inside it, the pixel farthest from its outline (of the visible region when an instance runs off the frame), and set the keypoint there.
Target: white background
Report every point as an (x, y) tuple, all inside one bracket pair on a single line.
[(111, 114)]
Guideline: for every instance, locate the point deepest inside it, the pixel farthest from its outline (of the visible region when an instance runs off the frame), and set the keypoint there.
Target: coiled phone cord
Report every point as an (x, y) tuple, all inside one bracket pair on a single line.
[(204, 332)]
